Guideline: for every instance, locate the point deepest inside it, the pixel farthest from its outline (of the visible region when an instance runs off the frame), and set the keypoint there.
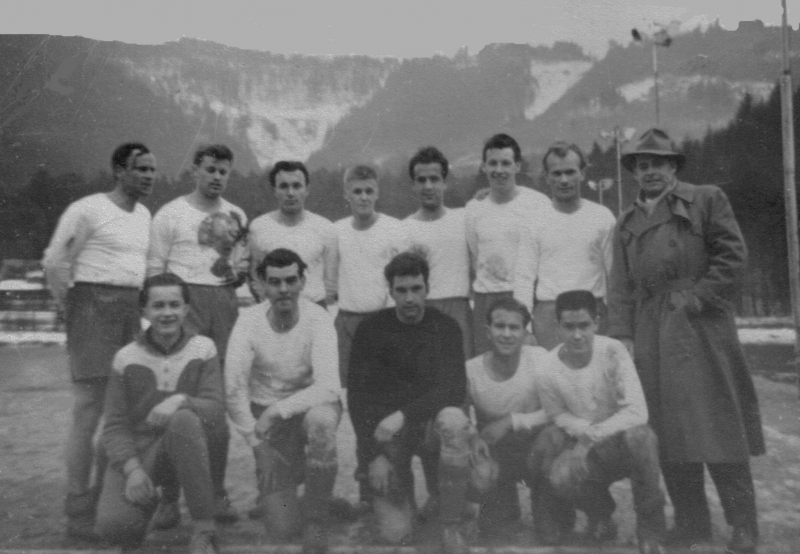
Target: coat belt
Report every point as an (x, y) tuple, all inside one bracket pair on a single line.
[(644, 292)]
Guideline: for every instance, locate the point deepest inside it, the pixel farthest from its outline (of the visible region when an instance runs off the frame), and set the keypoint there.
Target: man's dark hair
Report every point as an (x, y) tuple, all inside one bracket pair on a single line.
[(429, 155), (125, 154), (219, 152), (406, 264), (510, 305), (162, 280), (562, 149), (575, 300), (287, 166), (360, 172), (500, 141), (280, 257)]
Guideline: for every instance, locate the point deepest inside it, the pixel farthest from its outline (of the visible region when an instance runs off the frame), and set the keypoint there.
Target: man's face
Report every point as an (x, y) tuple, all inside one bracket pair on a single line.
[(429, 185), (654, 173), (577, 329), (165, 310), (211, 176), (501, 169), (564, 176), (291, 190), (282, 287), (506, 332), (139, 179), (361, 195), (409, 293)]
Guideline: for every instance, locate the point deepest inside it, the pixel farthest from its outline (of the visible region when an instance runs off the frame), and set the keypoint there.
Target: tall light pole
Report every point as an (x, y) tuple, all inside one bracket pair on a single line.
[(620, 137), (659, 38), (789, 191)]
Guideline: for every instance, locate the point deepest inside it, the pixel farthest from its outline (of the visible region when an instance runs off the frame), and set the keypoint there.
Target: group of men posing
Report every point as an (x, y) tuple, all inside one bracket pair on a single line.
[(432, 364)]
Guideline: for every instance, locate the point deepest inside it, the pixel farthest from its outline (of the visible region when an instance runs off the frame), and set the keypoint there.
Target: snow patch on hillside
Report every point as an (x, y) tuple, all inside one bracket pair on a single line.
[(678, 86), (554, 80), (278, 113)]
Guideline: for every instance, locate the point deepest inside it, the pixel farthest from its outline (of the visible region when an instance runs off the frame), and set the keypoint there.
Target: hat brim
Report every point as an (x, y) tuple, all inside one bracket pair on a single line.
[(627, 160)]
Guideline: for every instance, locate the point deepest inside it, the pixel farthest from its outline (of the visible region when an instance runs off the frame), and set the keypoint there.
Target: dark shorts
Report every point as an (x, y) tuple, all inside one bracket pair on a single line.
[(100, 320), (213, 312)]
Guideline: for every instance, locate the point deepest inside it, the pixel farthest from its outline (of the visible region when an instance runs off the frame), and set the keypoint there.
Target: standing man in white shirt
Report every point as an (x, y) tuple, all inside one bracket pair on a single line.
[(439, 234), (494, 229), (95, 265), (292, 226), (282, 387), (200, 238), (568, 248), (367, 241)]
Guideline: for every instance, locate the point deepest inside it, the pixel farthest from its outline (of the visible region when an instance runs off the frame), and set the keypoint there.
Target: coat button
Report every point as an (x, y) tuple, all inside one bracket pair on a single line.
[(673, 243), (670, 307)]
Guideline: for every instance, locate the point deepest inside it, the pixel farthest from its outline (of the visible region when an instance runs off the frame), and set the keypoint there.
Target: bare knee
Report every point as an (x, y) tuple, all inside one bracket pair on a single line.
[(454, 429), (321, 423)]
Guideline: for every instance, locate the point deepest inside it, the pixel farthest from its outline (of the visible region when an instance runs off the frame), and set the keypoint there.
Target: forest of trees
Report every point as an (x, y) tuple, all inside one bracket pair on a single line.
[(744, 158)]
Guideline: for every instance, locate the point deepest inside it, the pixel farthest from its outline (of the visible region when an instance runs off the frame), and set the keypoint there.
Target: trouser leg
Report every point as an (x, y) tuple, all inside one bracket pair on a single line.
[(453, 429), (641, 452), (218, 437), (320, 424), (185, 445), (685, 485), (736, 493), (551, 512), (86, 413)]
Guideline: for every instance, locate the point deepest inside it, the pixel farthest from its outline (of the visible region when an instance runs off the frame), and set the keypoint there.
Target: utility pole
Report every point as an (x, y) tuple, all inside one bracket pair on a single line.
[(659, 38), (620, 137), (790, 193)]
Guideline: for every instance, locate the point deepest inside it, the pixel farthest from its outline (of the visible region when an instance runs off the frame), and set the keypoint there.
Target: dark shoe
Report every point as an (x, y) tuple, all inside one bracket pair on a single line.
[(204, 543), (82, 529), (742, 541), (257, 512), (167, 515), (223, 511), (602, 530), (686, 537), (547, 535), (430, 510), (453, 541), (80, 510), (651, 546), (343, 510), (315, 539)]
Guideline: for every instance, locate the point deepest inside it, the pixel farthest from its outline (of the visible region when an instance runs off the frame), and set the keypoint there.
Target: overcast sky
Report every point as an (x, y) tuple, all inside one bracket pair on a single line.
[(400, 28)]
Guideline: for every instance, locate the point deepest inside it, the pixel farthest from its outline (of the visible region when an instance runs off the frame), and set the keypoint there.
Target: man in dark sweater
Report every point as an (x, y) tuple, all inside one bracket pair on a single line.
[(406, 380), (164, 406)]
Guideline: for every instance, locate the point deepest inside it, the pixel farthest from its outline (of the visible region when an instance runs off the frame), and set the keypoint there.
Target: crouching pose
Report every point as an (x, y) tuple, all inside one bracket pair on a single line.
[(590, 388), (282, 385), (164, 409), (502, 387), (406, 385)]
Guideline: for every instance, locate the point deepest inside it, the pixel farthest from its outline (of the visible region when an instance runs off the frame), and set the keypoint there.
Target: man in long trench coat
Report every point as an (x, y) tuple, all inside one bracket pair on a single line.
[(678, 258)]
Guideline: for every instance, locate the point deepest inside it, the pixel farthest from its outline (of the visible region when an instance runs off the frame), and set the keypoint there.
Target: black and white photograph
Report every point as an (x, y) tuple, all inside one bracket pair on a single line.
[(450, 277)]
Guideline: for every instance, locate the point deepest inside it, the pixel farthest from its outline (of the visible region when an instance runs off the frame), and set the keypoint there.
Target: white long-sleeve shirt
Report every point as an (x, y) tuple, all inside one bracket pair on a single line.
[(191, 242), (494, 232), (313, 239), (96, 241), (296, 370), (605, 394), (561, 252)]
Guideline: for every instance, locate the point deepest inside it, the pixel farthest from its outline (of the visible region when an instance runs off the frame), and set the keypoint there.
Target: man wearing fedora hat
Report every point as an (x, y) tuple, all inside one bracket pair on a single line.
[(678, 258)]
